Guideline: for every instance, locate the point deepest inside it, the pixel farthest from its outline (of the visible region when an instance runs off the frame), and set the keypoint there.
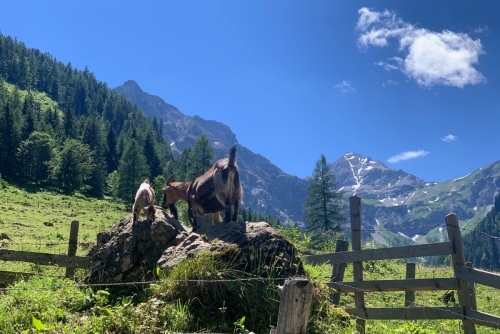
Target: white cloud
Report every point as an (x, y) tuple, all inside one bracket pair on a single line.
[(390, 82), (482, 30), (431, 58), (449, 138), (407, 156), (387, 66), (345, 87)]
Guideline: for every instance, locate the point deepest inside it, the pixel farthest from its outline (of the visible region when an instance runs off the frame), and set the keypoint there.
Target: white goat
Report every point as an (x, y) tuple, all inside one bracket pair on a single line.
[(144, 200)]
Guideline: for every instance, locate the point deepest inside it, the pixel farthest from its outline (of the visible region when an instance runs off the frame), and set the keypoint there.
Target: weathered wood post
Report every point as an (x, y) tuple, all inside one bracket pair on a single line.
[(359, 297), (472, 289), (410, 274), (295, 306), (465, 294), (338, 269), (72, 245)]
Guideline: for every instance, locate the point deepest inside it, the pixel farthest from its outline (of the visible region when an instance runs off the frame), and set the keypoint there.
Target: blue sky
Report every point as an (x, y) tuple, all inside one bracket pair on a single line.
[(413, 84)]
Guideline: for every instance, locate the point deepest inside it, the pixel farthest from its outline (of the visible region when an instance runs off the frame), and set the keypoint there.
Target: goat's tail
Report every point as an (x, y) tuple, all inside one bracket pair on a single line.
[(232, 156)]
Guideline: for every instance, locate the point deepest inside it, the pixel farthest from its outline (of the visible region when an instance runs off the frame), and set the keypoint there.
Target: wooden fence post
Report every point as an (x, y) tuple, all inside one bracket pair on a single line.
[(457, 258), (472, 289), (338, 269), (72, 245), (410, 274), (295, 306), (357, 267)]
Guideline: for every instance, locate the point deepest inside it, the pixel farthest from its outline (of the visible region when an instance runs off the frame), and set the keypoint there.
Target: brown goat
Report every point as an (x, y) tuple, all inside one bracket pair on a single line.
[(175, 191), (218, 189), (144, 200)]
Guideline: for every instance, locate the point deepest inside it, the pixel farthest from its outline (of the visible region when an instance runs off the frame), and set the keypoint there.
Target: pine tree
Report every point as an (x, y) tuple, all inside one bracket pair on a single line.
[(202, 156), (184, 165), (152, 157), (73, 166), (324, 207), (111, 157), (93, 136), (9, 141), (132, 170), (69, 123), (34, 155)]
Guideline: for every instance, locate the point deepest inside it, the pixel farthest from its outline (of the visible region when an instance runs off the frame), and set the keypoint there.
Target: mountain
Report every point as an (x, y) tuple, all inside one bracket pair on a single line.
[(397, 207), (266, 188), (371, 179)]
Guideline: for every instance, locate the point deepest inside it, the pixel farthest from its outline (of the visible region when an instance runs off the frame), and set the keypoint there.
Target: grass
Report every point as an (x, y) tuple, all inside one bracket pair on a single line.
[(488, 299), (201, 294), (39, 220)]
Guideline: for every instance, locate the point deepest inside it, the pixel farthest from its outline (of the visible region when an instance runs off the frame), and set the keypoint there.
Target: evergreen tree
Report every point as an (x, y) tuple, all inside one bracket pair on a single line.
[(152, 157), (69, 123), (28, 113), (72, 166), (9, 141), (132, 170), (111, 157), (93, 136), (184, 165), (324, 207), (202, 156), (34, 155)]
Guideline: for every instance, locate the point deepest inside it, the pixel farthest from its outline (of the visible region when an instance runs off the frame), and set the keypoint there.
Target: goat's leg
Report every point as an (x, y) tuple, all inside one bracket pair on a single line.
[(136, 214), (192, 218), (195, 225), (190, 213), (227, 217), (173, 211), (235, 214), (151, 212)]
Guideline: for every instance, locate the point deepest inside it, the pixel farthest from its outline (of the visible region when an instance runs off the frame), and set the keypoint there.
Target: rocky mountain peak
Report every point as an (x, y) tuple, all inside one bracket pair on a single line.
[(368, 178)]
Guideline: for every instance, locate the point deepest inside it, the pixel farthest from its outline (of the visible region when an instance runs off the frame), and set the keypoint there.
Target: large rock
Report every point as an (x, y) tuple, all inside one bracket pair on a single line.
[(131, 253)]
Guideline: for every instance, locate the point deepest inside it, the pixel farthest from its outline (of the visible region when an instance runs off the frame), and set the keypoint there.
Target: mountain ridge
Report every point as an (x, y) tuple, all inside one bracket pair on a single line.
[(392, 199), (260, 178)]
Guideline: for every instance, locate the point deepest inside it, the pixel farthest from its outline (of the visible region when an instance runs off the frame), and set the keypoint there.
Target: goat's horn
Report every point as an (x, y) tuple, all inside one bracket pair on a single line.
[(171, 178)]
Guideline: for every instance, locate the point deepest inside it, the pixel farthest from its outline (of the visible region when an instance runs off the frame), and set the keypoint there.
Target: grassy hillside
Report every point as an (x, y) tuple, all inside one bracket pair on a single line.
[(39, 220)]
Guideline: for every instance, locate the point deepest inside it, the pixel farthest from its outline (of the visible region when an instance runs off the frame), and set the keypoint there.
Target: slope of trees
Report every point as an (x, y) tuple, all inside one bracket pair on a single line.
[(62, 128), (482, 245)]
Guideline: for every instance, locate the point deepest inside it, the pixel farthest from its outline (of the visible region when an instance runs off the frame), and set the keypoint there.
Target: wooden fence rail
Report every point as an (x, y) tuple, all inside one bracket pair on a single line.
[(463, 280), (69, 261)]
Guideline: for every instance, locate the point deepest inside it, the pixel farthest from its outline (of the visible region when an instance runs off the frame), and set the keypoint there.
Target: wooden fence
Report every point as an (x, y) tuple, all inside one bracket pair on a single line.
[(293, 319), (69, 261), (463, 281)]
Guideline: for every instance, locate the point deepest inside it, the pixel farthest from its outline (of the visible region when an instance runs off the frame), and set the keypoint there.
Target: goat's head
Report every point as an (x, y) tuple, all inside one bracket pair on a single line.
[(165, 189), (173, 192)]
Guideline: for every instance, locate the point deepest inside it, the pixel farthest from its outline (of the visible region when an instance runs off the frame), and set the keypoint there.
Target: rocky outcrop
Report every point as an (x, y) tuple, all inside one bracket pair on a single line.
[(131, 253)]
